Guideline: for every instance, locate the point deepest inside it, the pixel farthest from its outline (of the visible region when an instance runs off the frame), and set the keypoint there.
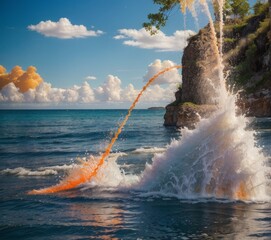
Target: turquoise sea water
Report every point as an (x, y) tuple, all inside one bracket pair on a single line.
[(38, 147)]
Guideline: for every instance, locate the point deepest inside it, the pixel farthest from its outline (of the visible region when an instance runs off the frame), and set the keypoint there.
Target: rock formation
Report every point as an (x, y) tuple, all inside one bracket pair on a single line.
[(200, 71), (247, 56)]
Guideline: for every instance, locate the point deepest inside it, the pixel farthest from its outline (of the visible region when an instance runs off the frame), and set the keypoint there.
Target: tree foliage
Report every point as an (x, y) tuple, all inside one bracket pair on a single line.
[(238, 8), (158, 20), (260, 7)]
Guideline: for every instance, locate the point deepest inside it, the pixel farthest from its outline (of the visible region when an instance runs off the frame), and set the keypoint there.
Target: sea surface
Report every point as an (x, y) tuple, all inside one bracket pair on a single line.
[(38, 147)]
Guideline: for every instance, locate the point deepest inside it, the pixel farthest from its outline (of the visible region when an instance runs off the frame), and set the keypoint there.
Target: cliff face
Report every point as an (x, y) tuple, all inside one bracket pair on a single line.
[(256, 104), (200, 71), (247, 56), (187, 114)]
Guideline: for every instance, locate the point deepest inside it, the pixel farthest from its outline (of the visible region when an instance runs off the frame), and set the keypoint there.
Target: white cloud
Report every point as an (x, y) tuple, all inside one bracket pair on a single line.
[(129, 93), (45, 93), (11, 94), (86, 94), (63, 29), (119, 37), (172, 76), (90, 78), (111, 91), (161, 42), (157, 93)]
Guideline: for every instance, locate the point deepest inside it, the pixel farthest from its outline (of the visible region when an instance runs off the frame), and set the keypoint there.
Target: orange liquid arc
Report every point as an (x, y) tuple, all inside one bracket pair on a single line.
[(86, 171)]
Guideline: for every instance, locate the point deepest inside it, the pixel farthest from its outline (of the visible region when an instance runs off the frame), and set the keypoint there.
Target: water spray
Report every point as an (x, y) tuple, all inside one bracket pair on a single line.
[(85, 172)]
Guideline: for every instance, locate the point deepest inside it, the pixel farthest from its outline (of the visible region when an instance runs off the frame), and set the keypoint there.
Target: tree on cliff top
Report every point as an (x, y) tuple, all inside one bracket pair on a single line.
[(157, 20), (260, 7), (239, 8)]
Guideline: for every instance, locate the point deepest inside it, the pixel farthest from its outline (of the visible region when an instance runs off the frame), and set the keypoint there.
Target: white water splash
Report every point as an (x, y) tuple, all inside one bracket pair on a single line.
[(218, 159), (149, 150)]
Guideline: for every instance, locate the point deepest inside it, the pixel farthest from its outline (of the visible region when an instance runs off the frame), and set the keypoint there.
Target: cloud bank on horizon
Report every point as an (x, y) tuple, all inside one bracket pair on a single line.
[(110, 91)]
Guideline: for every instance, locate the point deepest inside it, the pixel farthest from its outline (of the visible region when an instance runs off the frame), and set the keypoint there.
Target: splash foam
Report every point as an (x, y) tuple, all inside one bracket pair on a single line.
[(218, 159)]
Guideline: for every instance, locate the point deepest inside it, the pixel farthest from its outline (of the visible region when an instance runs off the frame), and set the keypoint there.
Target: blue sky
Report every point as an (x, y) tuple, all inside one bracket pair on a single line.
[(67, 62)]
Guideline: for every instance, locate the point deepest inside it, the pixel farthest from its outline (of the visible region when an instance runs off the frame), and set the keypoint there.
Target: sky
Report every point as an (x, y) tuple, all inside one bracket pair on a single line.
[(90, 53)]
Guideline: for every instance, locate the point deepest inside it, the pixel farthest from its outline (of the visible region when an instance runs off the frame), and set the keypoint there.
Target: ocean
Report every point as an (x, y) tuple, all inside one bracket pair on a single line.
[(39, 147)]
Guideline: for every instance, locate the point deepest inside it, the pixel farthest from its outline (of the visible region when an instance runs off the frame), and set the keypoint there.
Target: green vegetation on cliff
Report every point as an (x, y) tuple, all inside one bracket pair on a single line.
[(248, 50), (247, 53)]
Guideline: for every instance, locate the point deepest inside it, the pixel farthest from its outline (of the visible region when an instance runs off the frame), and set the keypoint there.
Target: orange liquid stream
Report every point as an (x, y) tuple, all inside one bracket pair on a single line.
[(86, 171)]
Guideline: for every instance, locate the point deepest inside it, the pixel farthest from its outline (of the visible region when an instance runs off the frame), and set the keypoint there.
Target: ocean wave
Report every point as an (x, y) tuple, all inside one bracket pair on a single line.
[(52, 170), (58, 167), (149, 150), (117, 154), (42, 171), (20, 171)]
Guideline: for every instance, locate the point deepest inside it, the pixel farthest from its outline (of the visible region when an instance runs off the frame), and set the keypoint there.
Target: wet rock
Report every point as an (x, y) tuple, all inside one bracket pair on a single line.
[(187, 114)]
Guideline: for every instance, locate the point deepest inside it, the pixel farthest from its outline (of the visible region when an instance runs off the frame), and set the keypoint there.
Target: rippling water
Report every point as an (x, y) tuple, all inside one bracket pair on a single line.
[(37, 148)]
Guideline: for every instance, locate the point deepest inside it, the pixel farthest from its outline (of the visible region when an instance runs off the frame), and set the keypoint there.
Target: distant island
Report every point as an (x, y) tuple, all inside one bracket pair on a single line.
[(156, 108)]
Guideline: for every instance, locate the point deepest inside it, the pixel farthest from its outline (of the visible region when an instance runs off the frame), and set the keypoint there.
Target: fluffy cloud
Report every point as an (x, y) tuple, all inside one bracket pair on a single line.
[(45, 93), (157, 93), (63, 29), (86, 94), (11, 94), (161, 42), (129, 93), (172, 76), (110, 91), (24, 80), (2, 70), (90, 78)]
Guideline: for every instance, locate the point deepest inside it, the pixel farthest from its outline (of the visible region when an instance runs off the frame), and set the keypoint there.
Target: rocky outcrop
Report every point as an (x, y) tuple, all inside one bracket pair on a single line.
[(200, 71), (247, 54), (257, 104), (196, 99), (187, 114)]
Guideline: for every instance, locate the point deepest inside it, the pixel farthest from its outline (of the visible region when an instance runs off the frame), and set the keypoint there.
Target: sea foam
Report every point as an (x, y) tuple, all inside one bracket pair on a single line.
[(220, 159)]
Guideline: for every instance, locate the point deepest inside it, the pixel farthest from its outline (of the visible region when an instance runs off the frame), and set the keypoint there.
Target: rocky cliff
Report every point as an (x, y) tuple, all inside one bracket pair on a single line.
[(247, 57), (200, 71)]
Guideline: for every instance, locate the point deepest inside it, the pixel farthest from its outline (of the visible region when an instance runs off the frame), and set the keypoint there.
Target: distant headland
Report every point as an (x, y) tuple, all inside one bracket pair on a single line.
[(156, 108)]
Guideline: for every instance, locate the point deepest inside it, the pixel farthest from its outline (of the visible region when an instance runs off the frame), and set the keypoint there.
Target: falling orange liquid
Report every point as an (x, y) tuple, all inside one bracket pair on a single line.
[(87, 170)]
